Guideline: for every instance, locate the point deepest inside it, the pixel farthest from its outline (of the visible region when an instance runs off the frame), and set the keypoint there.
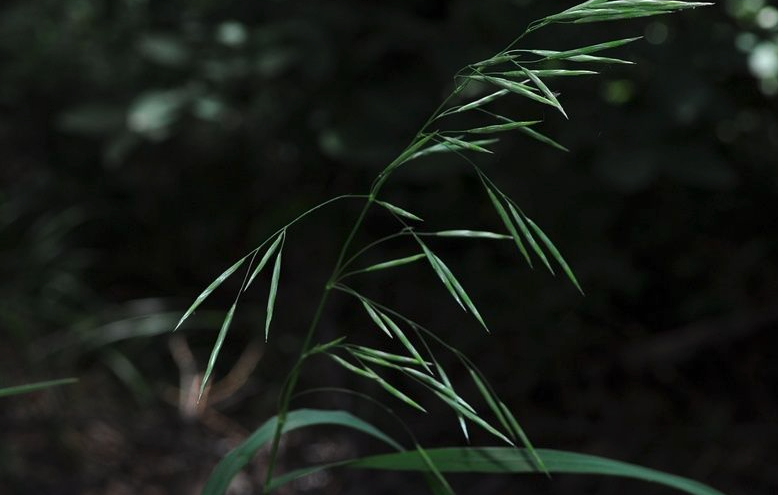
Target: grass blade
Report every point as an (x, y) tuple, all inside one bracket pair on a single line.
[(515, 460), (32, 387), (217, 347), (265, 258), (544, 89), (507, 222), (528, 235), (207, 292), (555, 253), (239, 457), (399, 211), (506, 460), (271, 298)]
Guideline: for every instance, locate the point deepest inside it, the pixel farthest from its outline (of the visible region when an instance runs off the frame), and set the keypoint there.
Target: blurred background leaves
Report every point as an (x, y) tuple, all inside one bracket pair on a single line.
[(147, 145)]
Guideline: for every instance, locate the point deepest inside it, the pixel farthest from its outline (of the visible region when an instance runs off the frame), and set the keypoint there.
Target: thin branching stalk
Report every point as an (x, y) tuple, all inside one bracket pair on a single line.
[(512, 72)]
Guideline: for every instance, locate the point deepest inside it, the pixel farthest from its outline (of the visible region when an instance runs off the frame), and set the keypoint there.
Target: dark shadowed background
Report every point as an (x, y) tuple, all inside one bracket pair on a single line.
[(145, 146)]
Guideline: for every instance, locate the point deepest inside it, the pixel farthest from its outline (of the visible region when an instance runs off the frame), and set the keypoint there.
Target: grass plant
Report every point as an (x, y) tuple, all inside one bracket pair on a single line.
[(513, 72)]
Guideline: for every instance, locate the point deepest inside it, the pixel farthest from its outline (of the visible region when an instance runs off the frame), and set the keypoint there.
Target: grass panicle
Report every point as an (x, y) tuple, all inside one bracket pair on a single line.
[(514, 73)]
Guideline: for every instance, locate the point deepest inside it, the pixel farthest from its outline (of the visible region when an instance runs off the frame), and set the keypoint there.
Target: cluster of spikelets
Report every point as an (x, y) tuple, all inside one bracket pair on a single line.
[(525, 73)]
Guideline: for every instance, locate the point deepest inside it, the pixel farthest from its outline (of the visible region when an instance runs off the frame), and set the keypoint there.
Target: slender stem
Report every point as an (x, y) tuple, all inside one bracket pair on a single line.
[(294, 374), (288, 390), (367, 247), (320, 205)]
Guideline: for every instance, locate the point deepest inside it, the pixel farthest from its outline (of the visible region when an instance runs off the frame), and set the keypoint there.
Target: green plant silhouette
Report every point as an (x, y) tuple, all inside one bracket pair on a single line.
[(513, 72)]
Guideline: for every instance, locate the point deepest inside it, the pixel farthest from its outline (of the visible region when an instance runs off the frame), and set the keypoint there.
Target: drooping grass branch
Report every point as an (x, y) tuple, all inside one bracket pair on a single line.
[(512, 72)]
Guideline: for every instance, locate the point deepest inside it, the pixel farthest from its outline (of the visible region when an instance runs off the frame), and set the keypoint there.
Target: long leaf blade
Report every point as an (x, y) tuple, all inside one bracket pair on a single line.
[(515, 460), (506, 460), (239, 457)]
